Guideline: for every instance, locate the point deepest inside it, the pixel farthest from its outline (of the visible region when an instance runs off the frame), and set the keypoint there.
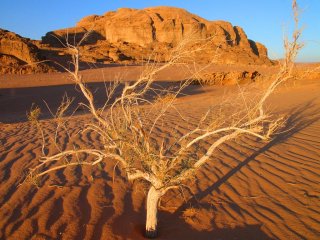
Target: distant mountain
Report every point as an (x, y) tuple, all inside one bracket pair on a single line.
[(134, 35)]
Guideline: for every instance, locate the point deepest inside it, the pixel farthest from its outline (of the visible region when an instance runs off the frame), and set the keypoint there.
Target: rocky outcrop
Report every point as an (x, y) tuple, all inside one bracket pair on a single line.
[(227, 78), (15, 45), (159, 29), (19, 55)]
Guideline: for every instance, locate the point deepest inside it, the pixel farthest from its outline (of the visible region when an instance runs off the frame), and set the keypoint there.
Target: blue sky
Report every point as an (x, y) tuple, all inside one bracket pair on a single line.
[(264, 21)]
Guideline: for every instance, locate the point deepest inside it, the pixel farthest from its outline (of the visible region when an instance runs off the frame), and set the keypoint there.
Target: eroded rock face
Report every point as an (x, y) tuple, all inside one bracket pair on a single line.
[(15, 45), (19, 55), (161, 28), (227, 78)]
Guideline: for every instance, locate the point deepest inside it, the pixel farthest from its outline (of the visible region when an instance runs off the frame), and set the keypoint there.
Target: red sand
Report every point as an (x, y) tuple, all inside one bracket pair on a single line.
[(250, 190)]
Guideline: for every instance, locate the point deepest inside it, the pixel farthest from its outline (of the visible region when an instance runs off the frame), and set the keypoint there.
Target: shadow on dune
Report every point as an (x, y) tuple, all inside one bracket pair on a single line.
[(15, 102), (297, 120), (130, 225), (249, 232), (184, 231), (173, 226)]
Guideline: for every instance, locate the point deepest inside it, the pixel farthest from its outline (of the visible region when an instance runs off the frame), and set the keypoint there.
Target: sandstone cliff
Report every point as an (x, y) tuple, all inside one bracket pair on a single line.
[(132, 35), (19, 55)]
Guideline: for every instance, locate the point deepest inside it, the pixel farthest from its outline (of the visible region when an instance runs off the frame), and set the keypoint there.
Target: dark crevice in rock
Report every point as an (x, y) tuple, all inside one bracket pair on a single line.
[(254, 47)]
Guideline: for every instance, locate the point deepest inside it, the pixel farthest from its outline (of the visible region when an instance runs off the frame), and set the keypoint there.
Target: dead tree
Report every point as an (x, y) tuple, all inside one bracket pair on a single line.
[(126, 130)]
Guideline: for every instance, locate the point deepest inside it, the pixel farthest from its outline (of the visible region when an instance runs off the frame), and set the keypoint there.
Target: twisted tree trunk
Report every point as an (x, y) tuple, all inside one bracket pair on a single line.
[(152, 210)]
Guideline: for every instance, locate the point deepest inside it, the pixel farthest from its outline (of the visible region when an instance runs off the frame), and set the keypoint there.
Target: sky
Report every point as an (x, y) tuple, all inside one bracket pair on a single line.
[(265, 21)]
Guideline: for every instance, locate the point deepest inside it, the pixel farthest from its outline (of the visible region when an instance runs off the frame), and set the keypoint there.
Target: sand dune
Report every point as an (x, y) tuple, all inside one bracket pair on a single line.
[(250, 190)]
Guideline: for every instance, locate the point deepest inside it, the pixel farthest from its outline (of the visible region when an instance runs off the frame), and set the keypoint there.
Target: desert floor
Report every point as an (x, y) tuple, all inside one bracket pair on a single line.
[(249, 190)]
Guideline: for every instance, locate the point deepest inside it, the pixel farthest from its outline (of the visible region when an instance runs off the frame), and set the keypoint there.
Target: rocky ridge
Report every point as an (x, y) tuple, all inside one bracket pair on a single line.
[(134, 35), (19, 55)]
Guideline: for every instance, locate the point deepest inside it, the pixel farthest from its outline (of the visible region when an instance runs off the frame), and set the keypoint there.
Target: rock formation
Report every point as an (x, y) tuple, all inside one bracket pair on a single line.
[(132, 35), (227, 78), (19, 55)]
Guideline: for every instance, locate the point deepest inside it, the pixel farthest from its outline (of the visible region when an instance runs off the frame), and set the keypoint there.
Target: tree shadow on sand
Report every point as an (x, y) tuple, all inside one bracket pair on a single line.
[(173, 226), (299, 119), (130, 225)]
